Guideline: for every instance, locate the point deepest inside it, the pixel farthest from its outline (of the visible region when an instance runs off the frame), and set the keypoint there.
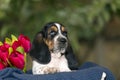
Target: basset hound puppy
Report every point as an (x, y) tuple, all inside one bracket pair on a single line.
[(51, 50)]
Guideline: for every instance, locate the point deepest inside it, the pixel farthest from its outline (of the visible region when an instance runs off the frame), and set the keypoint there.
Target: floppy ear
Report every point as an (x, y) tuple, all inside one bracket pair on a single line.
[(40, 51), (72, 61)]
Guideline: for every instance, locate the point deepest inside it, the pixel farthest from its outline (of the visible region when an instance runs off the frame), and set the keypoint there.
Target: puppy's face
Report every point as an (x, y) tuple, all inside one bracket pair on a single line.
[(56, 38)]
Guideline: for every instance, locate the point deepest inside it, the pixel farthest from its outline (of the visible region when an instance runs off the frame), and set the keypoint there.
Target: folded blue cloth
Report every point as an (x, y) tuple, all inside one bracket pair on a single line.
[(87, 71)]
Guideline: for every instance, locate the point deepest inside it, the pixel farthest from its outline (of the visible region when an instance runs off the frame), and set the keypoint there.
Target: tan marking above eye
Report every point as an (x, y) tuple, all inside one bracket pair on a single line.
[(63, 28), (52, 28)]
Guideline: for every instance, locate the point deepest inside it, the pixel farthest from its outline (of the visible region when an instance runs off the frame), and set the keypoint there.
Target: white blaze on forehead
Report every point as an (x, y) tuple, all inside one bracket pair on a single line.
[(58, 26), (59, 33)]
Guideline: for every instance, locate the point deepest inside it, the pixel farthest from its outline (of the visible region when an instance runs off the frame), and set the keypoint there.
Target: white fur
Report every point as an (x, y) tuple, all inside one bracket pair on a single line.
[(57, 61), (103, 76)]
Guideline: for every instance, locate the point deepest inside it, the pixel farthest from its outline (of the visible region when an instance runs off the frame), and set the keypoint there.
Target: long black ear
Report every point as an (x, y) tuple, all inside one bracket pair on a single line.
[(72, 61), (40, 51)]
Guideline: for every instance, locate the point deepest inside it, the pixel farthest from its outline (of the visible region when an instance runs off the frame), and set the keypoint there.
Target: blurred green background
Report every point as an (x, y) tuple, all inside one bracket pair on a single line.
[(93, 26)]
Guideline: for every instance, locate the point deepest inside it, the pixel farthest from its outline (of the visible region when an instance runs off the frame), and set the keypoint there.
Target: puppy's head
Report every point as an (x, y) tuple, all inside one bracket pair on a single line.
[(51, 39), (55, 37)]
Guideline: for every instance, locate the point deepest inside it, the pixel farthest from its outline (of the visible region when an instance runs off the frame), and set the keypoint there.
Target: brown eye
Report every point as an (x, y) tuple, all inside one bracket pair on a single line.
[(64, 33), (52, 33)]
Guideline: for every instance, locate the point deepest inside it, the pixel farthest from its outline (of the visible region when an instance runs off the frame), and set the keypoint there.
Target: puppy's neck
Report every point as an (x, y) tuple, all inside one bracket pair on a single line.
[(57, 54)]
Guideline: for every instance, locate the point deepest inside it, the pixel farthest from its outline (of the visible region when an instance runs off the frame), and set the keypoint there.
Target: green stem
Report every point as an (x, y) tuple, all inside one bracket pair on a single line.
[(24, 69), (9, 63)]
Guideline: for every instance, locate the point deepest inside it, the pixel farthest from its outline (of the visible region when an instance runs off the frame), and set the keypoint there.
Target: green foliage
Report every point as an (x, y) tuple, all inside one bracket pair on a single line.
[(29, 16)]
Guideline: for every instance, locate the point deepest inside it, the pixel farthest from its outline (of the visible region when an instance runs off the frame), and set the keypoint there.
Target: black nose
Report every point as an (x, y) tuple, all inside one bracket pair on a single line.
[(62, 40)]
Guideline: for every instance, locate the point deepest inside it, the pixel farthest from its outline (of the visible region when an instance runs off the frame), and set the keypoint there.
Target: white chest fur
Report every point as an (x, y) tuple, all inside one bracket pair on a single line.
[(58, 62)]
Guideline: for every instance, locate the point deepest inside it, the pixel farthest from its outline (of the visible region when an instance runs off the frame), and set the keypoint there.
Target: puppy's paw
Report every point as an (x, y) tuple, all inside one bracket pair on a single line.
[(45, 70), (50, 70)]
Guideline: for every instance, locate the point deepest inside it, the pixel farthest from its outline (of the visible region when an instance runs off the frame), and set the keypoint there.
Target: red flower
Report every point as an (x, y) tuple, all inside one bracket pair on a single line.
[(2, 66), (4, 52), (16, 44), (25, 42), (13, 52), (17, 60)]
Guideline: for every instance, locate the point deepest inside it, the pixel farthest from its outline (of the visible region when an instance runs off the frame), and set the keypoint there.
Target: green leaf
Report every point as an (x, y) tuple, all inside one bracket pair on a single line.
[(106, 15), (1, 43), (2, 14), (20, 49), (13, 38), (10, 50), (8, 41), (113, 7)]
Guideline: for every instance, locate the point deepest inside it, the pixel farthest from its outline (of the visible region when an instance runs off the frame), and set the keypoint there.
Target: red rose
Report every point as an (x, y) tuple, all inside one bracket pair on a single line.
[(25, 42), (4, 52), (17, 60), (2, 66), (16, 44)]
